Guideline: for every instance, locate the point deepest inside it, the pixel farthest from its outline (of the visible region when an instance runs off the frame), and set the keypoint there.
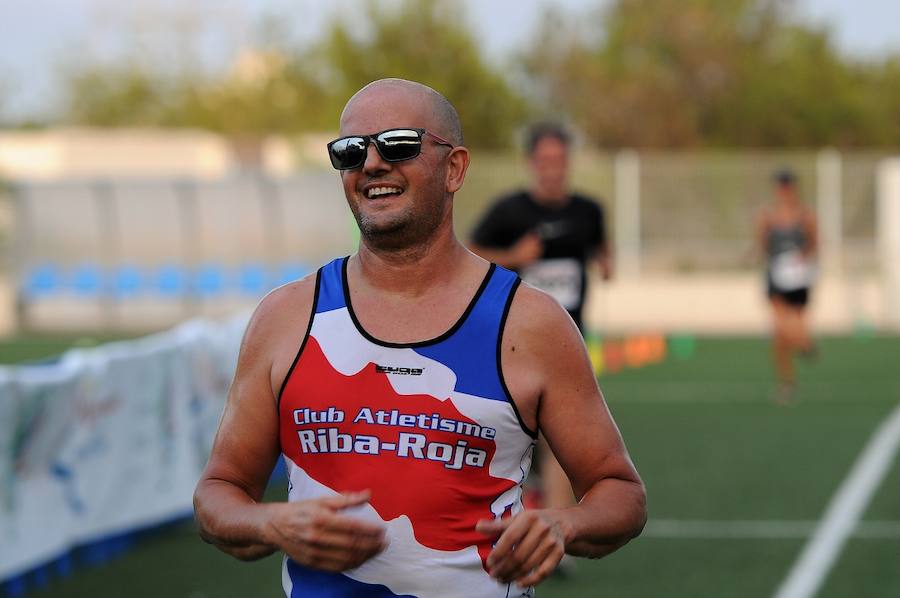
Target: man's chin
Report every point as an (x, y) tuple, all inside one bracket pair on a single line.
[(393, 234)]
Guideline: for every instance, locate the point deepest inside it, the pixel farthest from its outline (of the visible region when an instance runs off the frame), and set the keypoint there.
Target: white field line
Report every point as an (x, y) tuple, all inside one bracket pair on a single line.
[(844, 511), (719, 392), (664, 391), (687, 529)]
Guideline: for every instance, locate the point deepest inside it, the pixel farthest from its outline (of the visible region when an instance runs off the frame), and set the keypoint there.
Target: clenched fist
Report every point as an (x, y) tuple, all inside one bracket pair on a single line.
[(316, 533)]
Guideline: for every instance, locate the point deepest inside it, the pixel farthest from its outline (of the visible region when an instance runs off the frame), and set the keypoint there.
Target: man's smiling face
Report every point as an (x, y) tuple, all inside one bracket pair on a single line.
[(396, 204)]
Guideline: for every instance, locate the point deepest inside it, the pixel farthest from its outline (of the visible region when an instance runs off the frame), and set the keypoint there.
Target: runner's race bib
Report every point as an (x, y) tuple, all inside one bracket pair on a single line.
[(792, 271), (560, 278)]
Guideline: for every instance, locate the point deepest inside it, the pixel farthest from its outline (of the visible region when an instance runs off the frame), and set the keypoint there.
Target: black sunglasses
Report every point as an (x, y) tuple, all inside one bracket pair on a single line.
[(394, 145)]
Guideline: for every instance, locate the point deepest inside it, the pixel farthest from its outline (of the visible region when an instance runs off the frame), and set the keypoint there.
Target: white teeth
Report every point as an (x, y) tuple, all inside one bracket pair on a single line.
[(378, 191)]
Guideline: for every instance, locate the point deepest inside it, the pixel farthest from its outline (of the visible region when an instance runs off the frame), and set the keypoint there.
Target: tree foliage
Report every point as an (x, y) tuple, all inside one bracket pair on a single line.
[(686, 73), (428, 42), (267, 91), (115, 95), (638, 73)]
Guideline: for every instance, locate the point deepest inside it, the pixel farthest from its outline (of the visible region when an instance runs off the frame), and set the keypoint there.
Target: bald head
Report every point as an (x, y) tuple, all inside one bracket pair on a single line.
[(442, 117)]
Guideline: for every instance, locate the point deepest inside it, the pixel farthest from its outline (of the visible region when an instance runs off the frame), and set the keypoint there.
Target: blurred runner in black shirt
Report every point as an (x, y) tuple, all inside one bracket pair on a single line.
[(547, 233)]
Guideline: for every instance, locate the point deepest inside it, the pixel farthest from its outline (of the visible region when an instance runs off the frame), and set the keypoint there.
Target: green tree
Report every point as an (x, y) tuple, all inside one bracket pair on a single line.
[(429, 42), (279, 89), (646, 74), (796, 91), (108, 96), (686, 73), (266, 91)]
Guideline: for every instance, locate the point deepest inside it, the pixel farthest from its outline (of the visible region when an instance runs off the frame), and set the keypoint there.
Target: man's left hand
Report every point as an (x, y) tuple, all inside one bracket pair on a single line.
[(528, 546)]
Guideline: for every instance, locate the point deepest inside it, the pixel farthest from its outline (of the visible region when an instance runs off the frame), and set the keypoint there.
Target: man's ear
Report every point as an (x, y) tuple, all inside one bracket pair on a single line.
[(457, 165)]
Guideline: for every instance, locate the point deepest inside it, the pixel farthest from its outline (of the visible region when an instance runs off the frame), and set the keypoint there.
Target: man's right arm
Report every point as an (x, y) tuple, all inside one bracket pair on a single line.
[(227, 500), (523, 252), (601, 242), (490, 243), (553, 385), (760, 236)]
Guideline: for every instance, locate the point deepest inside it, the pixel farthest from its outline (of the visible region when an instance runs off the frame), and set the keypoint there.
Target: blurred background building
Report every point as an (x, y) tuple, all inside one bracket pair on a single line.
[(128, 187)]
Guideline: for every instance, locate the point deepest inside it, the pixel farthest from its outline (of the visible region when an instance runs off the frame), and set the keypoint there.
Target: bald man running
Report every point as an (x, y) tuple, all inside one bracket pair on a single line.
[(405, 386)]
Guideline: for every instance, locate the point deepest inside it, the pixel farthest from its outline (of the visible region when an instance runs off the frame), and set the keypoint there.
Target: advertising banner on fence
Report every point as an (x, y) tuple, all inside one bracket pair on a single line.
[(109, 439)]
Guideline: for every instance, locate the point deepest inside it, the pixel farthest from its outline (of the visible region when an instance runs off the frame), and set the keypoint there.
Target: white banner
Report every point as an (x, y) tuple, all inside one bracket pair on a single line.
[(108, 439)]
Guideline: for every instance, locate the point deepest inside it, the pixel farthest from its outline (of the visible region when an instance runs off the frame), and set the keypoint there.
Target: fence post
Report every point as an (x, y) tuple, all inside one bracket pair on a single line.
[(23, 244), (273, 219), (186, 191), (108, 227), (627, 176), (829, 208), (888, 232)]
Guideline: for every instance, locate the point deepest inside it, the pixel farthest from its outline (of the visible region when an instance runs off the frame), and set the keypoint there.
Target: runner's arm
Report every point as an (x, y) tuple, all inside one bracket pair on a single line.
[(227, 501), (812, 234), (546, 353), (602, 251), (520, 254), (761, 232), (580, 431)]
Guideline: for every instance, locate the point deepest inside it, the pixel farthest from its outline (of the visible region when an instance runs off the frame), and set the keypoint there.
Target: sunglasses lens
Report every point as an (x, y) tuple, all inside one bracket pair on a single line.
[(347, 153), (399, 144)]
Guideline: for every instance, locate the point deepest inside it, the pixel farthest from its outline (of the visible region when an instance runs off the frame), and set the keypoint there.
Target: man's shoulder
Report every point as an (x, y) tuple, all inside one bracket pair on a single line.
[(535, 311), (509, 212), (512, 200), (287, 294), (283, 308)]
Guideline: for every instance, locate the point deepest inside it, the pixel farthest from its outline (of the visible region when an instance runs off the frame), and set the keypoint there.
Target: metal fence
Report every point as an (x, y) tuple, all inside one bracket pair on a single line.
[(111, 243), (695, 212), (118, 241)]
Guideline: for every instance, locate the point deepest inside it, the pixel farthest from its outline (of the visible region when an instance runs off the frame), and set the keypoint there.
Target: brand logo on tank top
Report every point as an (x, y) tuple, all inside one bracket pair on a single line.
[(397, 371)]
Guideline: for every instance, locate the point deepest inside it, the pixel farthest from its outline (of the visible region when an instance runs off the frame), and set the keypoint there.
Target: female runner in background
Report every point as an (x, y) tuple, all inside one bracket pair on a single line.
[(786, 236)]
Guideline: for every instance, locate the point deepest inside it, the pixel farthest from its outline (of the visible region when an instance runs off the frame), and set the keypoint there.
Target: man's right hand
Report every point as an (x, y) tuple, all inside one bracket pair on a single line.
[(315, 533), (526, 250)]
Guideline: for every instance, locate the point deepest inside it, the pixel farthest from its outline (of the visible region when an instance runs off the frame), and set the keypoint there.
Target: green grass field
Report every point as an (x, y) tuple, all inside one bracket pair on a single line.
[(735, 482), (38, 347)]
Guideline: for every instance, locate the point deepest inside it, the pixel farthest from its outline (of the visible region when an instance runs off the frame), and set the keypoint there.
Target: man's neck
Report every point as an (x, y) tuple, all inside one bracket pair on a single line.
[(550, 200), (413, 270)]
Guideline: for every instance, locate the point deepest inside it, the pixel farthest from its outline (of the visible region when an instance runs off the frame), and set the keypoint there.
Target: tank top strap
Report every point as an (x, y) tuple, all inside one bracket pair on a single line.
[(331, 294), (472, 351)]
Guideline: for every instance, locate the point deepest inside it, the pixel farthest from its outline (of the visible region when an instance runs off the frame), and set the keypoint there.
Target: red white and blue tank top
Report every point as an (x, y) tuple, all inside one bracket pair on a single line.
[(428, 426)]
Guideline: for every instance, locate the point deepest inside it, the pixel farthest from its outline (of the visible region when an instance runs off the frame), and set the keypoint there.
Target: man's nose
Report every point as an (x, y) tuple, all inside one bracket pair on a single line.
[(374, 162)]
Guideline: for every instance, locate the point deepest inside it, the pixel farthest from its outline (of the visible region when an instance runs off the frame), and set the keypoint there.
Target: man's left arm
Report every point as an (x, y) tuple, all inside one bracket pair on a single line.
[(602, 252), (811, 229), (580, 430)]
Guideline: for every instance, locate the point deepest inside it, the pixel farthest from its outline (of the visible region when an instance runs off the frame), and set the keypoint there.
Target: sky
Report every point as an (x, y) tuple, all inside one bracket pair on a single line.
[(39, 38)]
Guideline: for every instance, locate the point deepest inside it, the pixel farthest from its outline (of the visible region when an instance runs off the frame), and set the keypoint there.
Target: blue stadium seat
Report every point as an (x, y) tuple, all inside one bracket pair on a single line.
[(128, 281), (290, 272), (253, 279), (86, 280), (171, 280), (41, 281), (209, 280)]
